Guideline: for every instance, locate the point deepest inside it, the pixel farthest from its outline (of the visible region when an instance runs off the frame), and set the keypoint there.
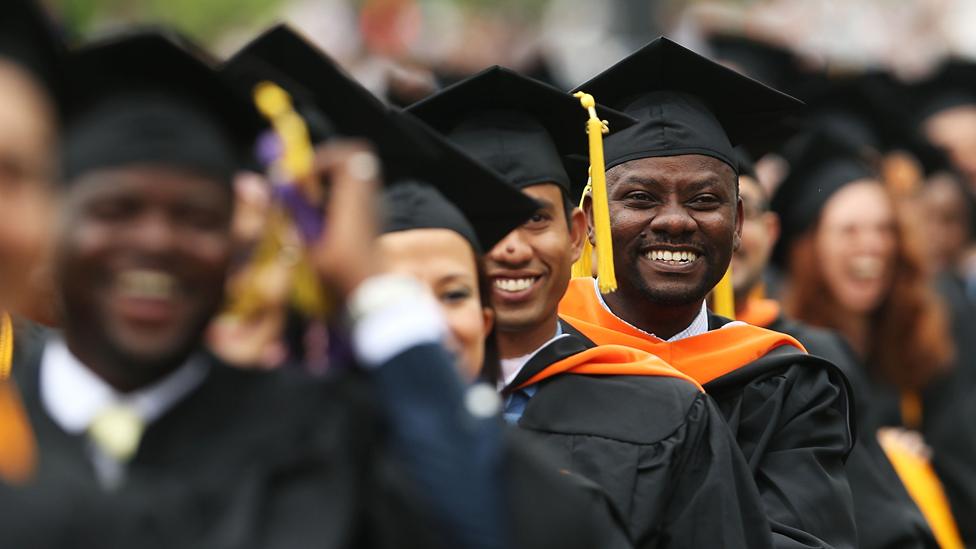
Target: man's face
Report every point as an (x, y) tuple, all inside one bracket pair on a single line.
[(27, 160), (954, 130), (760, 229), (675, 222), (530, 269), (141, 261)]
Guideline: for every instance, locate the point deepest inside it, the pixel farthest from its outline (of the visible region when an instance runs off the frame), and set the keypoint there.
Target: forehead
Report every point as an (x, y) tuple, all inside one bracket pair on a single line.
[(860, 202), (673, 170), (428, 254), (149, 183), (750, 190), (25, 105)]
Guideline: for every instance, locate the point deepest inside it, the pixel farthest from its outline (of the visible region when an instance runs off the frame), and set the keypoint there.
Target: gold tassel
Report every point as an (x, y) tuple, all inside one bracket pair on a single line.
[(276, 243), (18, 449), (597, 186), (723, 296)]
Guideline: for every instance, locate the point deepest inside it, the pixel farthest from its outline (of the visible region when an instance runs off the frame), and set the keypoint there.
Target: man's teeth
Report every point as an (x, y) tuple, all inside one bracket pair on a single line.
[(514, 284), (146, 284), (671, 257)]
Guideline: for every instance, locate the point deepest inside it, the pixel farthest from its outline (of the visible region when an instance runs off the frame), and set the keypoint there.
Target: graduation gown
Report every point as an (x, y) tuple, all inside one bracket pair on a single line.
[(791, 413), (649, 437), (265, 460), (948, 405), (886, 516)]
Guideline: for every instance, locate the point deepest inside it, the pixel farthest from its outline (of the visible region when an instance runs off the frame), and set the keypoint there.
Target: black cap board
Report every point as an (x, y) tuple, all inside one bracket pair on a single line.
[(769, 63), (522, 128), (28, 38), (414, 205), (820, 166), (408, 149), (150, 96), (685, 104), (952, 85)]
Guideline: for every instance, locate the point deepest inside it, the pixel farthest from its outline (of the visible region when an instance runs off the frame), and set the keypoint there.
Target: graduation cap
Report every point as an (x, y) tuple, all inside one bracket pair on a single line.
[(819, 167), (408, 150), (762, 60), (745, 163), (150, 96), (414, 205), (28, 38), (521, 128), (529, 132), (952, 85), (686, 104)]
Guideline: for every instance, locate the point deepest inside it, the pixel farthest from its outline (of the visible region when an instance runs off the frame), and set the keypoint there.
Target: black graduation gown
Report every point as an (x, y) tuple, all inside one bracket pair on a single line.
[(248, 459), (792, 416), (657, 445), (948, 406), (886, 516), (266, 460)]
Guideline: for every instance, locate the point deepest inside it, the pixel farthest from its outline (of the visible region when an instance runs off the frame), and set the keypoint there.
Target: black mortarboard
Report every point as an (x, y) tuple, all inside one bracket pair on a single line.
[(869, 111), (762, 60), (408, 150), (952, 85), (150, 97), (685, 104), (745, 163), (413, 205), (819, 167), (28, 38), (521, 128)]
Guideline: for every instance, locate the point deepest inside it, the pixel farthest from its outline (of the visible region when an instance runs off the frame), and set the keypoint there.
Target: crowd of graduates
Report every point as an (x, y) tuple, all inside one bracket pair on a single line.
[(721, 300)]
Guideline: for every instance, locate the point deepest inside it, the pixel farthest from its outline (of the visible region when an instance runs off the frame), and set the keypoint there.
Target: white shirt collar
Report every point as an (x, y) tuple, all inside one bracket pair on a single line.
[(74, 396), (512, 366), (697, 327)]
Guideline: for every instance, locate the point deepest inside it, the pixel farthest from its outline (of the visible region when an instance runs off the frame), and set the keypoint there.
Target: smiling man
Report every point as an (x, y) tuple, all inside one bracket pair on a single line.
[(676, 218), (644, 432)]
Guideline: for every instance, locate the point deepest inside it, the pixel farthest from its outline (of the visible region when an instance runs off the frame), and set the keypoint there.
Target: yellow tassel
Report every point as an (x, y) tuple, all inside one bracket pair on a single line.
[(723, 296), (924, 487), (595, 129), (18, 448), (247, 298)]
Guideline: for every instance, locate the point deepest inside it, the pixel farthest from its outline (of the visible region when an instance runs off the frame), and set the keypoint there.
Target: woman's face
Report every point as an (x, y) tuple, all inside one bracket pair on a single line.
[(856, 245), (446, 263), (27, 152)]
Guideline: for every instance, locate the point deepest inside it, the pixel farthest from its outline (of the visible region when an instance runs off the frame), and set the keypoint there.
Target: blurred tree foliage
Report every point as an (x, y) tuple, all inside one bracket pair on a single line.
[(203, 19)]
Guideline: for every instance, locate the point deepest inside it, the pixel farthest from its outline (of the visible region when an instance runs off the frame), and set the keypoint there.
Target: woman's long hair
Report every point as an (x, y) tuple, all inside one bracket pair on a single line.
[(908, 342)]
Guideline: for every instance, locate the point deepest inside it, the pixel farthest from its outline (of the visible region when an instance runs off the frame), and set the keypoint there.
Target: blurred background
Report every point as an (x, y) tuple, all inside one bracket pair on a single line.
[(562, 41)]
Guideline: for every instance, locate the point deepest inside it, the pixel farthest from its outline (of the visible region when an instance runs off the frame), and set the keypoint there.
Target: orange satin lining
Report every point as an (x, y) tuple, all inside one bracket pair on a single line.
[(705, 357), (611, 360), (759, 312)]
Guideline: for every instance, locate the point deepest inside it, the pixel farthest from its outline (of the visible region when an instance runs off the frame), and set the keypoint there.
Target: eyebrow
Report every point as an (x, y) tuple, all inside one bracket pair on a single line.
[(454, 277), (545, 204)]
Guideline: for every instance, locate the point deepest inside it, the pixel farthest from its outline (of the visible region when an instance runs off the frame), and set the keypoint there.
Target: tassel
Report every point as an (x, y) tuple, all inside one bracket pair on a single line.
[(595, 129), (18, 449), (723, 296)]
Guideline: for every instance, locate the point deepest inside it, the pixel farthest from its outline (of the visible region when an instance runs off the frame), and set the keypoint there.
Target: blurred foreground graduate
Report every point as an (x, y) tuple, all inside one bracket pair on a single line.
[(885, 513), (543, 506), (643, 431), (676, 218), (153, 442)]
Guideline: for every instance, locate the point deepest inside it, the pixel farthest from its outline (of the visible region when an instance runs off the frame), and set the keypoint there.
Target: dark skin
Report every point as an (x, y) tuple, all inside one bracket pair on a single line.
[(678, 204), (174, 225), (141, 261), (544, 248)]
